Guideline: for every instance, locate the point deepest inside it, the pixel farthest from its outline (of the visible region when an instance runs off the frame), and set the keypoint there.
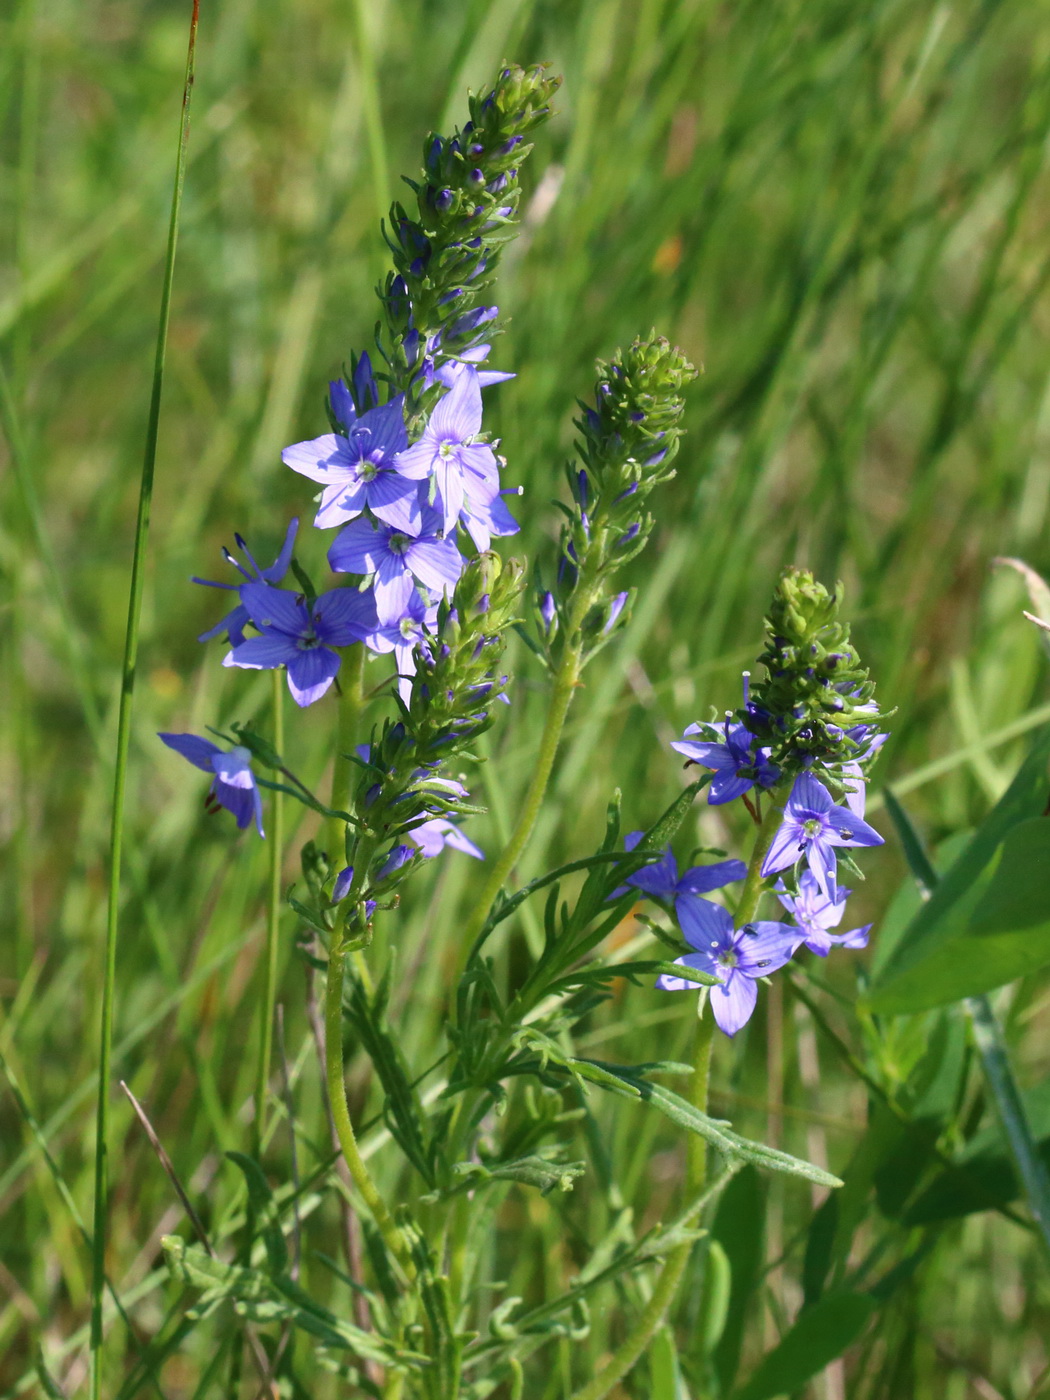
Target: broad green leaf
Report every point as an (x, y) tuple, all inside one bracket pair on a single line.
[(822, 1333), (739, 1227), (957, 945)]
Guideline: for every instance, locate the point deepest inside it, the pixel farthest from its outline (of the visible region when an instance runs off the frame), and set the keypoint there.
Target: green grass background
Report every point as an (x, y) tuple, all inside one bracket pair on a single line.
[(841, 210)]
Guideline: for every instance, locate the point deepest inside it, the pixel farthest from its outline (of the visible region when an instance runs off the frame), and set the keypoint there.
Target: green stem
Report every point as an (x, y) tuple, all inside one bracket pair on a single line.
[(273, 920), (351, 705), (566, 678), (335, 1078), (127, 690), (670, 1277)]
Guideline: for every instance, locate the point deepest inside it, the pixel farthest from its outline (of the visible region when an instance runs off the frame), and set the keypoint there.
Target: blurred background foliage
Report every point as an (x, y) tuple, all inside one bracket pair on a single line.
[(841, 211)]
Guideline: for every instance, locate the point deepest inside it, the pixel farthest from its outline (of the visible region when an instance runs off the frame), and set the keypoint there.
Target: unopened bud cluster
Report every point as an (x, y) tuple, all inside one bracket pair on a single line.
[(465, 206), (628, 440), (815, 691)]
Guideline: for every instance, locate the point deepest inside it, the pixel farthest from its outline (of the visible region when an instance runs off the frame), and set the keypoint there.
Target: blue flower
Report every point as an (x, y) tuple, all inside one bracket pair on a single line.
[(233, 624), (403, 636), (464, 472), (301, 635), (816, 912), (735, 956), (396, 557), (433, 835), (233, 784), (737, 767), (363, 468), (813, 826), (662, 881)]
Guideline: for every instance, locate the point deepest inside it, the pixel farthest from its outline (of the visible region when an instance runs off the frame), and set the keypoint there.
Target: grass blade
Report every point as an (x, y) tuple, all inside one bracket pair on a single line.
[(127, 690)]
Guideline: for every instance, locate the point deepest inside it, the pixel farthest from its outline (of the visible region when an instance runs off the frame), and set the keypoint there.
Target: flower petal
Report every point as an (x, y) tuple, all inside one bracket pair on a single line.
[(784, 849), (344, 615), (436, 563), (276, 609), (263, 653), (703, 878), (764, 946), (324, 459), (733, 1002), (357, 549), (279, 567), (311, 674), (706, 926), (458, 414), (199, 751), (809, 796)]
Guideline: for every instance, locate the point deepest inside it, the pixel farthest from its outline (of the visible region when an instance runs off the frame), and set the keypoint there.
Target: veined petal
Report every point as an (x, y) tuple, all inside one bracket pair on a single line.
[(733, 1003), (708, 927), (417, 462), (276, 609), (340, 504), (449, 479), (324, 459), (458, 414), (244, 803), (263, 653), (344, 615), (394, 586), (357, 549), (199, 751), (808, 795), (234, 766), (784, 849), (763, 947), (386, 428), (851, 830), (436, 563), (820, 854), (658, 879), (311, 674), (725, 787), (703, 878)]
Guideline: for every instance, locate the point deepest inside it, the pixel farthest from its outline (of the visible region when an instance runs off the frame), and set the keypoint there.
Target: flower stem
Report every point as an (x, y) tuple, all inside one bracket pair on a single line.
[(273, 919), (127, 690), (351, 705), (673, 1271), (566, 678), (335, 1078)]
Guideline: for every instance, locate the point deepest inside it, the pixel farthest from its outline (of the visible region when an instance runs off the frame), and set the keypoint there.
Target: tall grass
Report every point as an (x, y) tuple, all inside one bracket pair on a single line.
[(840, 210)]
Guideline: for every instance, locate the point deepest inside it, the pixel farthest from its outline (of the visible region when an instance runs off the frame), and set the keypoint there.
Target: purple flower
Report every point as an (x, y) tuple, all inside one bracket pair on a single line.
[(484, 518), (396, 557), (852, 773), (735, 956), (463, 470), (615, 609), (662, 881), (362, 469), (816, 912), (403, 636), (300, 635), (434, 835), (341, 889), (449, 370), (736, 767), (233, 784), (234, 622), (814, 826)]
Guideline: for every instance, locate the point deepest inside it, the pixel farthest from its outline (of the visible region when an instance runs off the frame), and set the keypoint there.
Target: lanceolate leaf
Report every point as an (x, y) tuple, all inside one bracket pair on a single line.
[(988, 920), (821, 1333)]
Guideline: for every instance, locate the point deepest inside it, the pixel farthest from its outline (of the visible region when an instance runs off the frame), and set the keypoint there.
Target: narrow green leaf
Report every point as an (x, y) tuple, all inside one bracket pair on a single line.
[(822, 1333)]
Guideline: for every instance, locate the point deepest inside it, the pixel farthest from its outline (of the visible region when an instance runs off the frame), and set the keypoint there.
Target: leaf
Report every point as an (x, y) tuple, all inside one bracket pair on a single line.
[(531, 1171), (1018, 896), (627, 1081), (262, 1203), (942, 955), (665, 1374), (822, 1333), (258, 1297), (739, 1227)]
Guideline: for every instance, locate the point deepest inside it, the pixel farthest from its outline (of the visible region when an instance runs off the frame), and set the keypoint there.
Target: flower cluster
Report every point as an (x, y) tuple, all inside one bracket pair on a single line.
[(628, 440), (814, 713), (406, 473)]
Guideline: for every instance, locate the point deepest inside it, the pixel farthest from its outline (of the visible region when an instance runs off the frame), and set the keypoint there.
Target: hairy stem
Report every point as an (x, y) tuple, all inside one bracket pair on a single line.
[(127, 690), (336, 1081), (673, 1271), (273, 921)]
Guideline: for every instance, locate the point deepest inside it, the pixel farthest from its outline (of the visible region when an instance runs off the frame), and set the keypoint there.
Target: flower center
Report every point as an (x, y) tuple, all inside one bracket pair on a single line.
[(812, 827), (446, 449), (728, 958), (408, 629), (398, 543)]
